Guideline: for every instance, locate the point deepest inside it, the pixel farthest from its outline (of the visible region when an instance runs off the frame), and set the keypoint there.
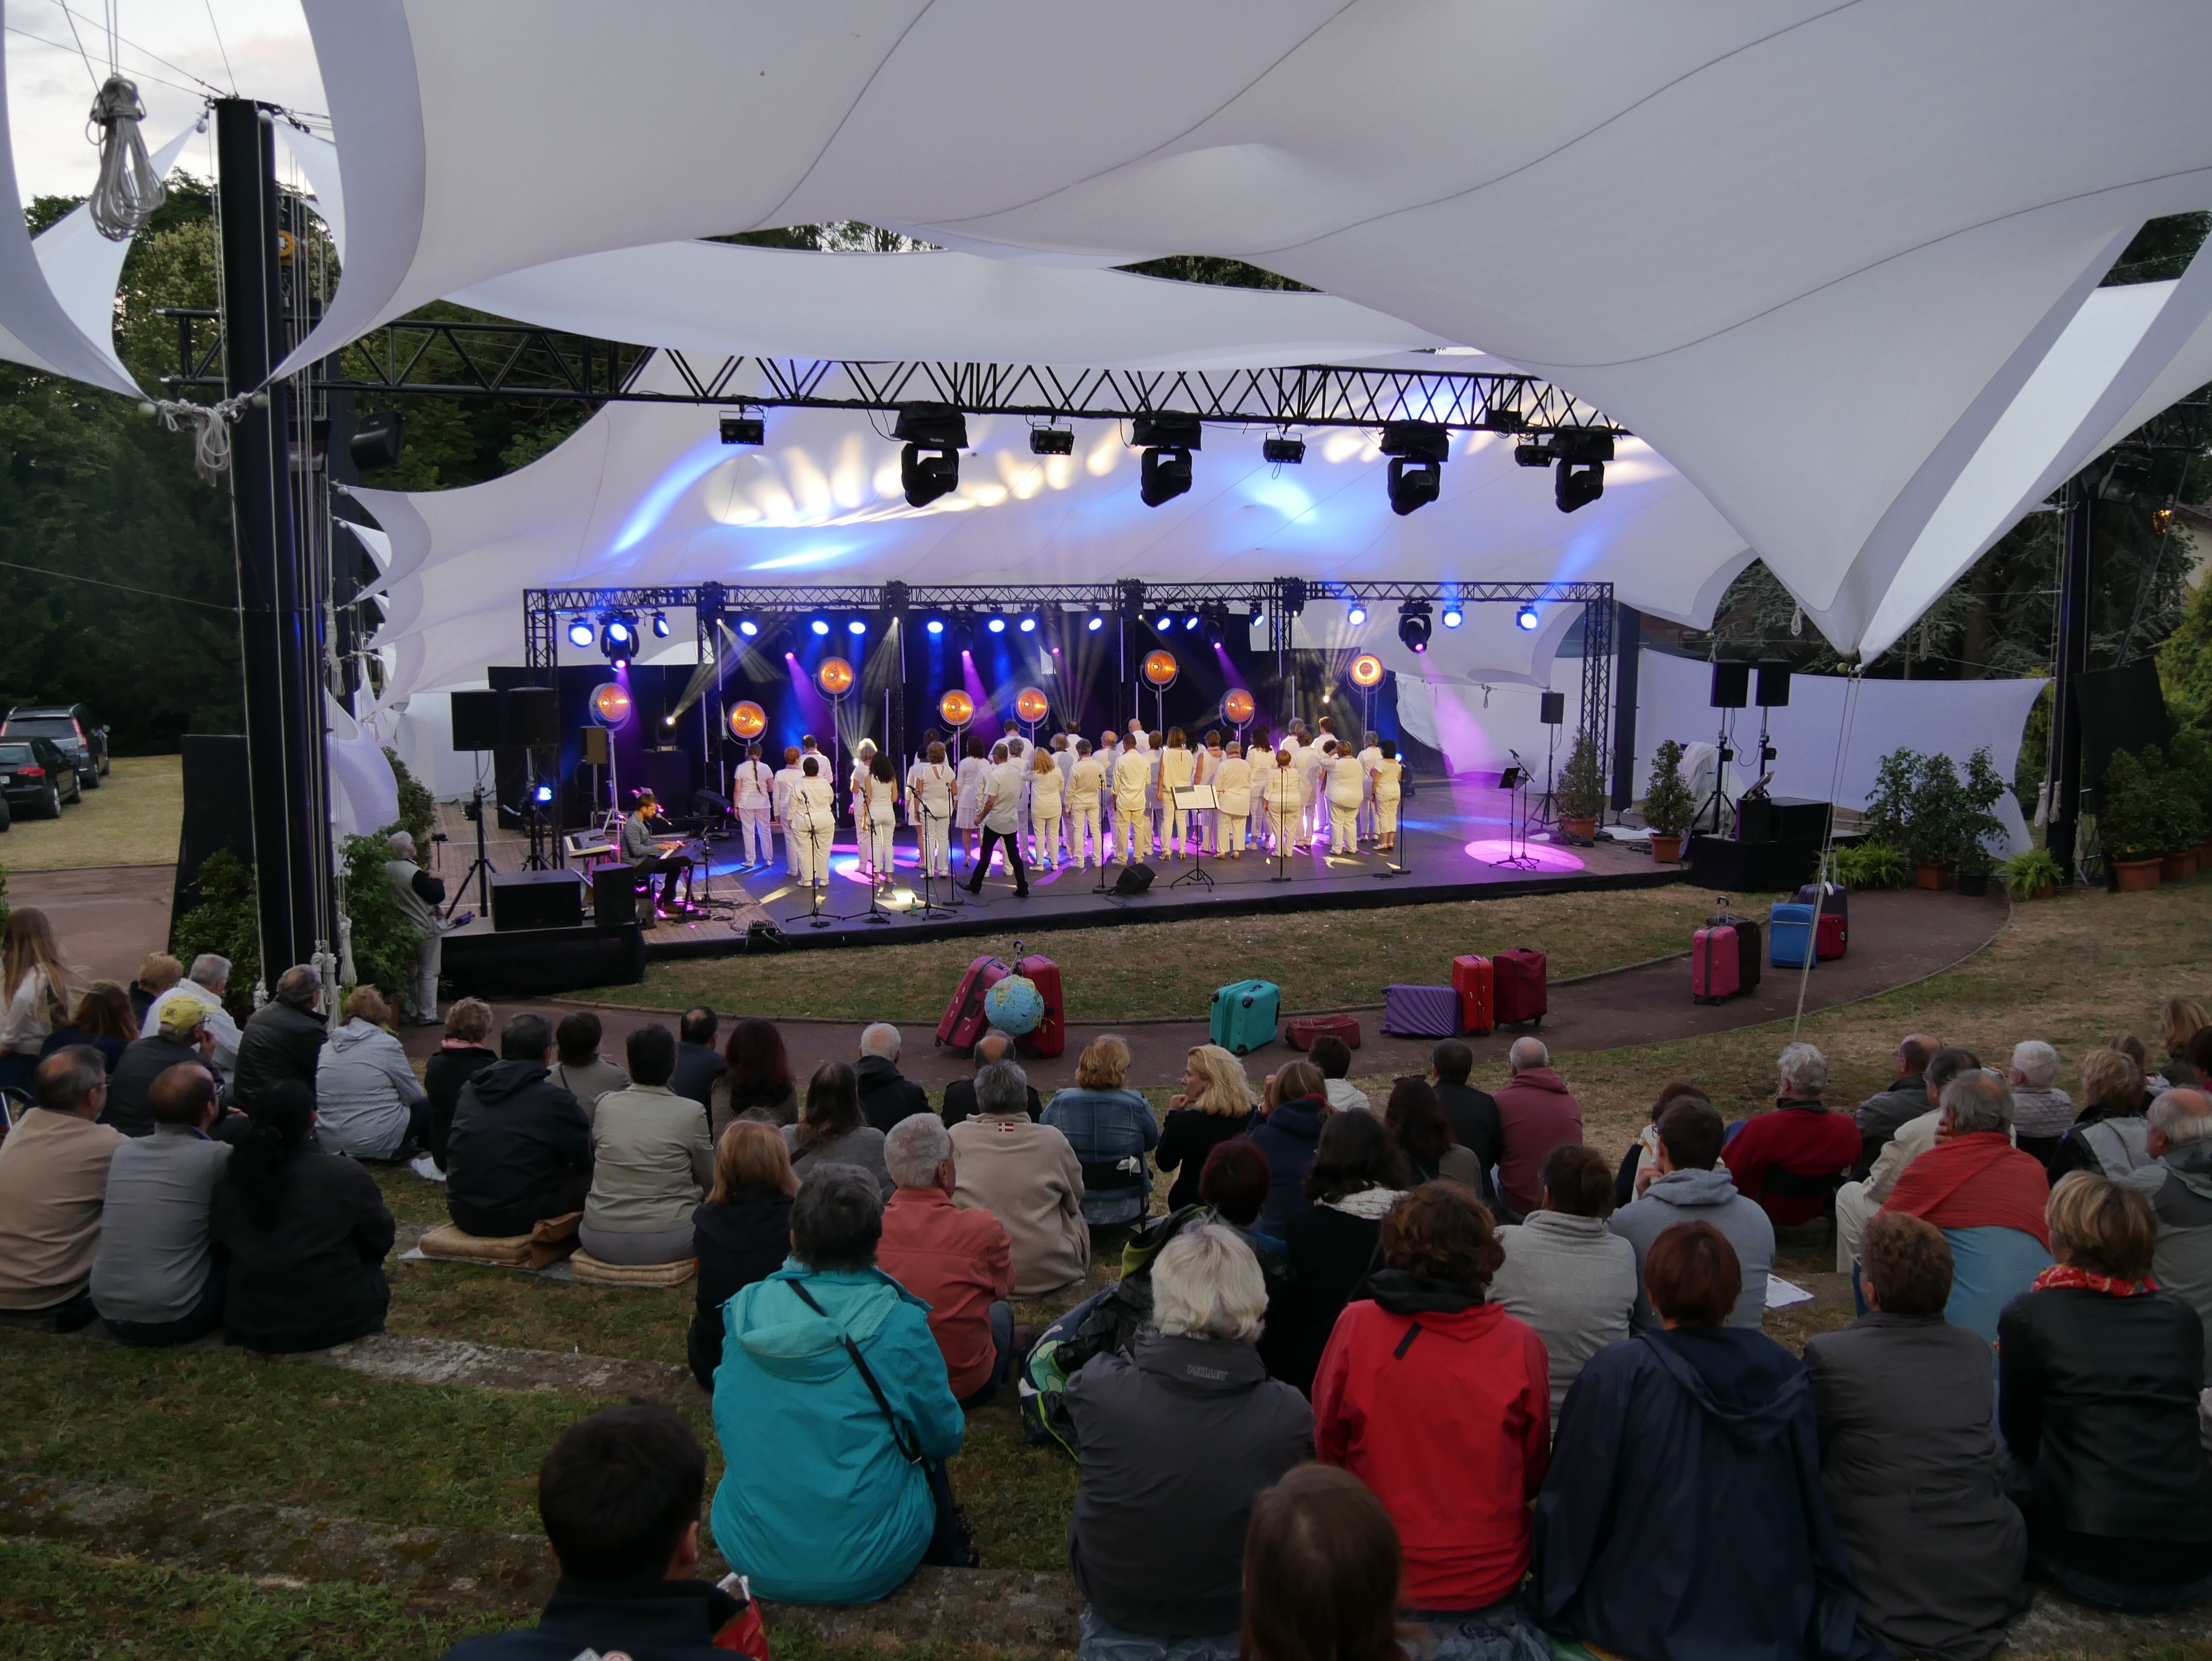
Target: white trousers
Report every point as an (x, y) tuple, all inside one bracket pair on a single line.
[(881, 835), (1129, 820), (752, 834), (428, 955), (1175, 829), (1343, 828), (1230, 828), (1286, 829), (1386, 818), (1081, 823), (1048, 838), (813, 860), (936, 843), (792, 837)]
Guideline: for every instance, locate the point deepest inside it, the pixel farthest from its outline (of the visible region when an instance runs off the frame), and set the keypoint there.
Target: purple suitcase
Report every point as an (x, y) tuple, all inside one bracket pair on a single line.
[(1422, 1012)]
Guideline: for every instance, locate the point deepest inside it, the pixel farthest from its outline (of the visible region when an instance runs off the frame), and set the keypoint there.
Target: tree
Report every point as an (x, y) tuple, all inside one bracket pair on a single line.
[(1667, 805)]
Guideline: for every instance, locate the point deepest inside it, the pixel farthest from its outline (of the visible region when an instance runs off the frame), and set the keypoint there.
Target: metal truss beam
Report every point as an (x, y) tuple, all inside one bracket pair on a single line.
[(1102, 597)]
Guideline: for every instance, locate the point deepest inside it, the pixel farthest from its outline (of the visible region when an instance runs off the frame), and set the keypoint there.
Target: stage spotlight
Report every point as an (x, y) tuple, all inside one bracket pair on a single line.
[(1051, 441), (1029, 626), (1167, 441), (1525, 618), (1413, 484), (1413, 625), (997, 625), (820, 625), (1578, 484), (748, 628), (1189, 623), (926, 475), (1163, 475), (929, 466), (1358, 614), (744, 429), (856, 626), (543, 793), (1538, 455), (1284, 450), (1095, 624), (618, 631), (660, 625), (1452, 617), (1418, 451), (580, 632), (935, 625)]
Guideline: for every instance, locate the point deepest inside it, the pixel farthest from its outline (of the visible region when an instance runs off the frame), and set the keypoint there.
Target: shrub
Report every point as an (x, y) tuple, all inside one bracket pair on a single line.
[(1983, 790), (382, 941), (1937, 827), (1581, 794), (225, 922), (1870, 864), (1889, 805), (2128, 814), (418, 809), (2030, 871), (1669, 807)]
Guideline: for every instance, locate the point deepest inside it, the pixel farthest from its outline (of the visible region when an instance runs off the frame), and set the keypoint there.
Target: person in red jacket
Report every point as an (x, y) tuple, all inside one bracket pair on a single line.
[(957, 1259), (1535, 1114), (1792, 1160), (1441, 1403)]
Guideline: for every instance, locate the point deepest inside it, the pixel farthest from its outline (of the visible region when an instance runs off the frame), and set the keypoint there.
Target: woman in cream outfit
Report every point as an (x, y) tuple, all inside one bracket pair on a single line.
[(1260, 757), (1178, 771), (1287, 804), (1389, 772), (968, 807), (1046, 792), (882, 826), (1232, 790), (1132, 786), (1347, 789), (930, 790), (814, 820)]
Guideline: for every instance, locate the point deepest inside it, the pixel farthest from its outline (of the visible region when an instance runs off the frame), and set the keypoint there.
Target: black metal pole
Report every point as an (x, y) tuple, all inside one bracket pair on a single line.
[(2075, 568), (283, 691), (1627, 662)]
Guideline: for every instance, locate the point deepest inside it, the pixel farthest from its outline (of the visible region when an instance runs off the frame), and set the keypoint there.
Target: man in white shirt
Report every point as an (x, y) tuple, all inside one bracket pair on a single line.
[(1002, 808), (203, 985), (1133, 789), (1086, 781), (782, 790), (1306, 761), (755, 786)]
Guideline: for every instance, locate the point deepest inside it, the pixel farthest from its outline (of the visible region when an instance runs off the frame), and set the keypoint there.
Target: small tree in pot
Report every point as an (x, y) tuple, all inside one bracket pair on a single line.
[(1581, 794), (1668, 807), (2130, 823), (1978, 824), (1935, 825)]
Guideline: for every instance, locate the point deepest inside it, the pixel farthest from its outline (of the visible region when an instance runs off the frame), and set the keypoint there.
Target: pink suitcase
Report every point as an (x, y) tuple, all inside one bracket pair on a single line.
[(965, 1020), (1050, 1037), (1716, 964)]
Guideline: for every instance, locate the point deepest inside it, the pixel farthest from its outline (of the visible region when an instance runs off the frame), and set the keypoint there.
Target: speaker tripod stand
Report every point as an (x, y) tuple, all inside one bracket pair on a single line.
[(481, 868)]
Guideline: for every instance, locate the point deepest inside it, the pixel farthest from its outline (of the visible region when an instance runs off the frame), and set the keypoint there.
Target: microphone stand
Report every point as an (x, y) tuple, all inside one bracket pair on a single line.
[(929, 908), (1398, 866), (816, 872), (1518, 856)]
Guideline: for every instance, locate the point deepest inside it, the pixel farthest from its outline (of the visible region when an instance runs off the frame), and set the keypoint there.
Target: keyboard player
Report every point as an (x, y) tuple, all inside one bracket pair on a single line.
[(643, 852)]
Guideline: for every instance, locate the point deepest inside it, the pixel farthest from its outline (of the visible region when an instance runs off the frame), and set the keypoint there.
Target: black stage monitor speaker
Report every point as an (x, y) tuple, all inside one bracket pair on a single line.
[(537, 899), (1731, 685), (614, 896), (1774, 686), (595, 746), (1553, 709), (533, 716), (1133, 879), (476, 721)]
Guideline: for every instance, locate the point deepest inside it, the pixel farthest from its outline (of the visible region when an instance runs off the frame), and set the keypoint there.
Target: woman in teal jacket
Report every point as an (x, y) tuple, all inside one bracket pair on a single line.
[(820, 1503)]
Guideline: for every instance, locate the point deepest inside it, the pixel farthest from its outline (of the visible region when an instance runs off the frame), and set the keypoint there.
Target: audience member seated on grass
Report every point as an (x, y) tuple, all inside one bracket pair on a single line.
[(306, 1233), (519, 1151), (53, 1181), (1333, 1057), (1214, 1106), (2041, 1112), (2179, 1019), (1565, 1274), (830, 1130), (2097, 1378), (157, 1279), (2132, 1047), (1793, 1159), (830, 1395), (1908, 1458), (578, 1067), (960, 1094), (1639, 1166), (1691, 1189), (1027, 1176), (743, 1232), (1357, 1176), (101, 1019), (618, 1497), (157, 972), (1683, 1516), (1881, 1115), (2177, 1182), (1535, 1114), (1322, 1572), (957, 1259), (887, 1095), (181, 1038), (1473, 1112), (1986, 1196), (651, 1162), (36, 988), (698, 1063), (756, 1081), (283, 1039), (1111, 1127), (1857, 1202), (461, 1057), (205, 984), (1416, 1121), (1234, 1185), (2111, 1135), (368, 1103), (1292, 1109), (1439, 1401), (1177, 1439)]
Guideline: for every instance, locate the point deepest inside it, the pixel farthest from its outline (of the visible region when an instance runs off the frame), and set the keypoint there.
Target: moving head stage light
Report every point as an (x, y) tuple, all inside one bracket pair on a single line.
[(929, 466), (1167, 441), (1417, 450), (1413, 625), (1581, 454)]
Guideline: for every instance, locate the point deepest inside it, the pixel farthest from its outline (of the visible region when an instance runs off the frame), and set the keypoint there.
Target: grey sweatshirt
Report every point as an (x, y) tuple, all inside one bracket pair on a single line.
[(1572, 1279), (1701, 1197)]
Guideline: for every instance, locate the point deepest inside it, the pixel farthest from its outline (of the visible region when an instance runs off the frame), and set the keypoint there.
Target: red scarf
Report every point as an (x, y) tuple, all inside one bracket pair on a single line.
[(1980, 1180), (2065, 1275)]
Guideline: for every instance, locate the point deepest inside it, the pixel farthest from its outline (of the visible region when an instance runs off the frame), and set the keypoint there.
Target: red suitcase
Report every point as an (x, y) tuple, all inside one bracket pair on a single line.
[(1300, 1033), (964, 1021), (1519, 992), (1475, 980), (1049, 1036), (1831, 935), (1716, 964)]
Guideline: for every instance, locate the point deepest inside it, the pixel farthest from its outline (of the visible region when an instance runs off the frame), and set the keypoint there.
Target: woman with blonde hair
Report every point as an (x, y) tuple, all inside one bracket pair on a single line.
[(1048, 791), (1214, 1106), (2109, 1134), (368, 1105), (35, 990), (1111, 1128), (742, 1233), (2179, 1020), (102, 1018)]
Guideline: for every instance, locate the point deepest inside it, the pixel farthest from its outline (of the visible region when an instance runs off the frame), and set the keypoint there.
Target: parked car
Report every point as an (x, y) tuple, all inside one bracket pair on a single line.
[(36, 777), (82, 738)]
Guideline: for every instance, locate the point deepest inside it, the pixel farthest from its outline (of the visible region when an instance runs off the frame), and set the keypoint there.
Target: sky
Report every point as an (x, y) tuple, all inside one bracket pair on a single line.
[(169, 47)]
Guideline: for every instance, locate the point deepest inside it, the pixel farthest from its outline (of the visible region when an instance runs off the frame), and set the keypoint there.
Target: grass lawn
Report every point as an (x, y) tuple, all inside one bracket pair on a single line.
[(1321, 960), (133, 819)]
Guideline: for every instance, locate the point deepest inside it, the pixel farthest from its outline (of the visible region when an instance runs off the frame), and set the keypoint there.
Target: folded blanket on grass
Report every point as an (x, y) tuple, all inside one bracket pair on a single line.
[(586, 1266), (551, 1240)]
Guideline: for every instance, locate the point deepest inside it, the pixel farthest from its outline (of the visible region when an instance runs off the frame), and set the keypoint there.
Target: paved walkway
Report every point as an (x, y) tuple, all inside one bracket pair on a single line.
[(105, 918)]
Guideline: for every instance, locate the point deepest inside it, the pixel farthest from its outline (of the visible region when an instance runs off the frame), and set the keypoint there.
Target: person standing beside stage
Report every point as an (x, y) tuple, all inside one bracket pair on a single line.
[(1347, 793), (417, 894), (1389, 785), (1085, 778), (644, 857), (1132, 785), (756, 788), (1002, 807), (930, 789), (1285, 804), (782, 790), (1260, 757), (1232, 792), (813, 822), (968, 808), (1046, 794)]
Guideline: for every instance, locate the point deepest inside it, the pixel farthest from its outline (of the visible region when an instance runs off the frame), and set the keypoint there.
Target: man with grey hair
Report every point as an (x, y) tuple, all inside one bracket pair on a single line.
[(1027, 1176), (53, 1182), (1178, 1438), (284, 1038), (2041, 1112), (202, 987), (1535, 1114), (886, 1096), (959, 1261), (418, 895), (1881, 1115), (2178, 1180), (1791, 1160), (959, 1102)]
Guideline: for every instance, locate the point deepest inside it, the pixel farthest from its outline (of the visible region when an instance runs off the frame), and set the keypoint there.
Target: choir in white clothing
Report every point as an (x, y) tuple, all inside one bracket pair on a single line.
[(754, 786)]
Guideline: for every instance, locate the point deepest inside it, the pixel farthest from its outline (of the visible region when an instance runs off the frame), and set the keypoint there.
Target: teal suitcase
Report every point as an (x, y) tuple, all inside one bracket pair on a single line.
[(1244, 1015)]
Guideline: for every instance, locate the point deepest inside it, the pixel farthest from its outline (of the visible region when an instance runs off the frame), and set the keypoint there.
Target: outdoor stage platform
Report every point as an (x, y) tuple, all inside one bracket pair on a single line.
[(1455, 843)]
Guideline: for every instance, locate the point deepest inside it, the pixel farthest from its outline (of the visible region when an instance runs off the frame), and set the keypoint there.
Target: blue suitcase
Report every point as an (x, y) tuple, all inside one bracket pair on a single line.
[(1423, 1012), (1244, 1015), (1790, 929)]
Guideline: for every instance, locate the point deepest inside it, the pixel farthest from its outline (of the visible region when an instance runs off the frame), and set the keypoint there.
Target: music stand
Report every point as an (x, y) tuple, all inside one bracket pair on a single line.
[(1517, 857), (1193, 798), (929, 908)]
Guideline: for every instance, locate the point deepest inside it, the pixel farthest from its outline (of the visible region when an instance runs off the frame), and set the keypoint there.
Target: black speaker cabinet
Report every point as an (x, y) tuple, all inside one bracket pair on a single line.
[(595, 746), (1774, 686), (537, 899), (1731, 685), (533, 717), (669, 770), (476, 721), (1133, 879), (614, 896), (1553, 709)]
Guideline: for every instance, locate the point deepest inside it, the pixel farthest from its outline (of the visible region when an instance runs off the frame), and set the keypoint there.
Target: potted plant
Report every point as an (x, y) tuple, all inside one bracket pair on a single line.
[(1978, 795), (1935, 824), (2129, 820), (1667, 805), (1581, 794), (1889, 805), (2189, 758), (2181, 820), (1870, 864), (2031, 875)]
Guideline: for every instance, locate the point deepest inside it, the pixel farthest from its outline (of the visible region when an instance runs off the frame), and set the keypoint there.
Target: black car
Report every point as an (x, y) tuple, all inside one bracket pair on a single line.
[(36, 777), (82, 738)]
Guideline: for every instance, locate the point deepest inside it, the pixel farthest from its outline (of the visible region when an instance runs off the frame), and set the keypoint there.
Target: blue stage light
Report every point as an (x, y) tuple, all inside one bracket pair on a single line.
[(617, 631), (1451, 616), (1095, 624), (660, 625), (856, 627), (748, 628), (1359, 614), (820, 625), (935, 625), (1029, 626), (1525, 618), (1189, 622), (543, 793), (579, 632), (998, 625)]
